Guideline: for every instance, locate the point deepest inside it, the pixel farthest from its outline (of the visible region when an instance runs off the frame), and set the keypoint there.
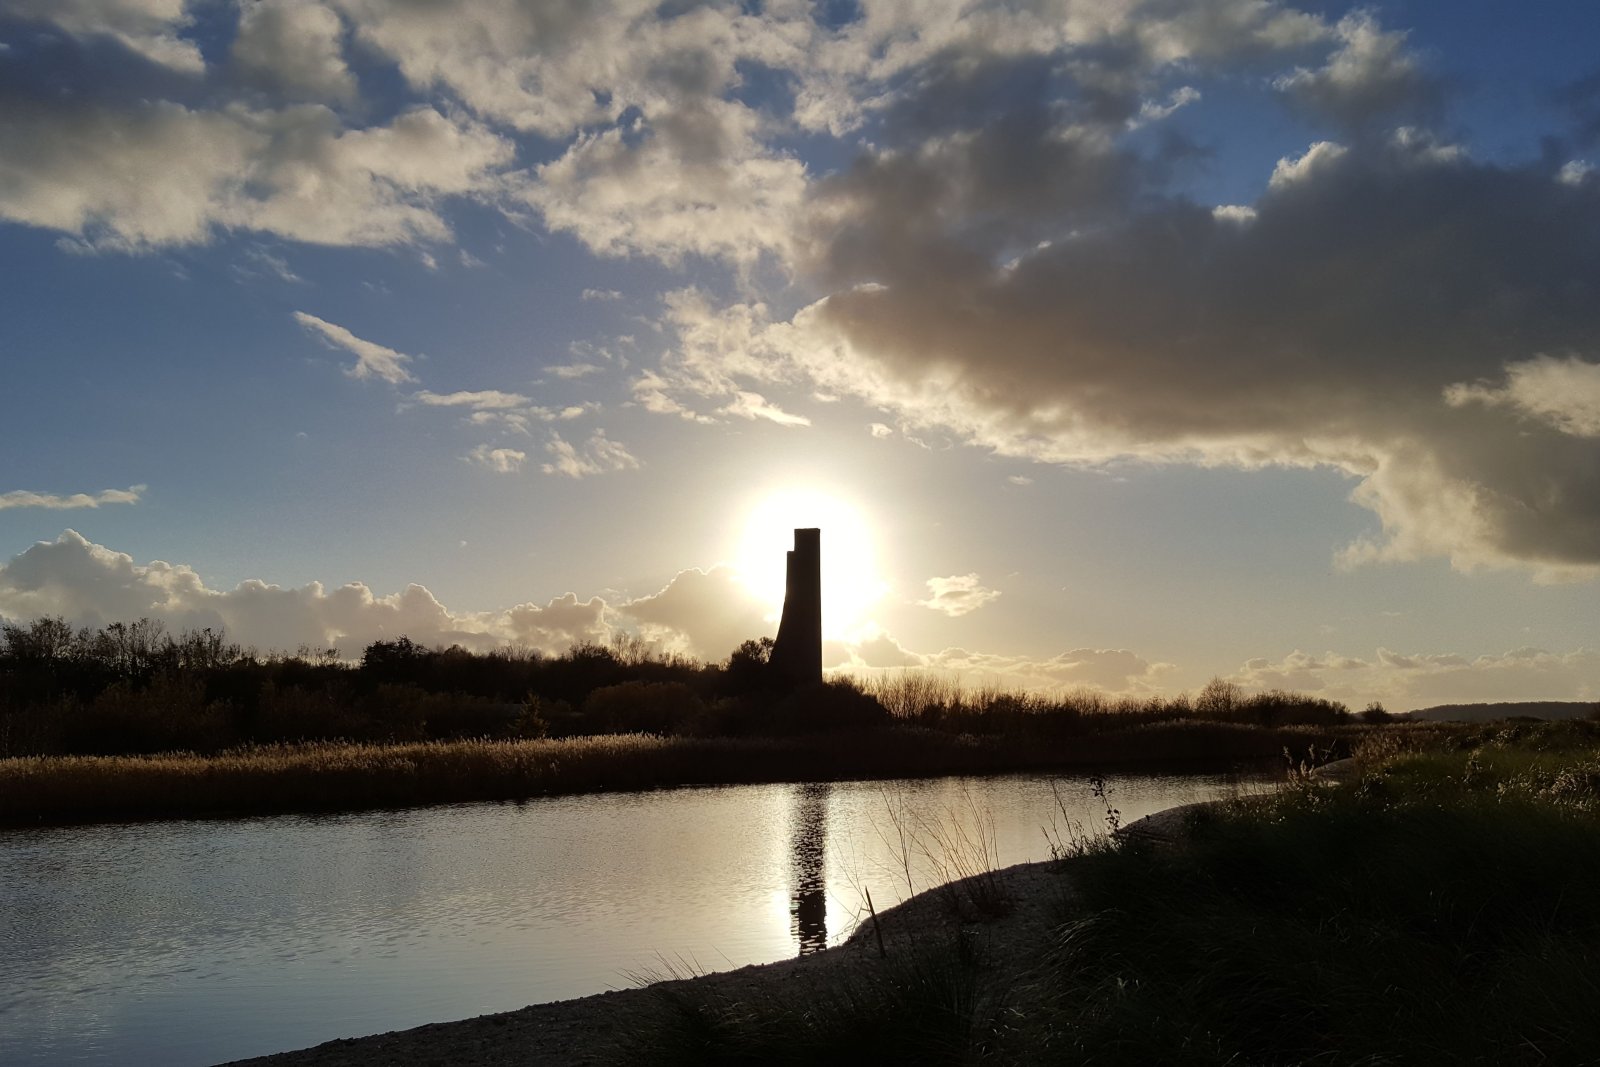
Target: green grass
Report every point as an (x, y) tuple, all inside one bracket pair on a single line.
[(1443, 908)]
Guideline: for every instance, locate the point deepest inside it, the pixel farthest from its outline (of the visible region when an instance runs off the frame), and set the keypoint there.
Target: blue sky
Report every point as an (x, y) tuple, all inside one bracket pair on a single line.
[(1113, 344)]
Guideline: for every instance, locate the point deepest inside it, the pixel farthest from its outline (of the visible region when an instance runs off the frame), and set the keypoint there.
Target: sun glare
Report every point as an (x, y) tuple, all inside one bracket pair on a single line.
[(851, 583)]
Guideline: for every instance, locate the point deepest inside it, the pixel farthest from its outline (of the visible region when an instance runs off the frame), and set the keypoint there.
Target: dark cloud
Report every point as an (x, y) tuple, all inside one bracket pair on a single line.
[(1582, 97), (1323, 326)]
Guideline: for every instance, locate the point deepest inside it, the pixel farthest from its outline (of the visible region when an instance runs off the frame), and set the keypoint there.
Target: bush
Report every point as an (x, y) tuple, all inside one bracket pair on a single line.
[(643, 708), (827, 708)]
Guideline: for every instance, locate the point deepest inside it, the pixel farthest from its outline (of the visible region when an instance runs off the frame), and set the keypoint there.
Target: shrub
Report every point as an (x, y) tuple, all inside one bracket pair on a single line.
[(643, 707)]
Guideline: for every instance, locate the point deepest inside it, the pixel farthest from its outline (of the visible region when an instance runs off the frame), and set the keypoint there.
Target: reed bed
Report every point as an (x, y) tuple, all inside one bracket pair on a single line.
[(330, 776)]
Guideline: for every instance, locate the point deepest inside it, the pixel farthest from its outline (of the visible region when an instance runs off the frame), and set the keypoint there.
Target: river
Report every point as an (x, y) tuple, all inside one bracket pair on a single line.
[(189, 943)]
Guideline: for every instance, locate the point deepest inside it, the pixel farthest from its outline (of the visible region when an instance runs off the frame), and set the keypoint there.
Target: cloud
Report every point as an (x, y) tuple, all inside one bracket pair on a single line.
[(295, 48), (1563, 393), (499, 460), (103, 171), (748, 405), (601, 294), (149, 28), (1403, 681), (372, 360), (480, 400), (598, 455), (1100, 668), (91, 585), (957, 595), (1114, 671), (1327, 331), (1371, 75), (700, 613), (694, 180), (22, 498), (876, 652)]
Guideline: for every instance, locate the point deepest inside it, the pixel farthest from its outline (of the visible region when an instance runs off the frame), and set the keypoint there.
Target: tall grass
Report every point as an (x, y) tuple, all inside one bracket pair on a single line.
[(327, 776)]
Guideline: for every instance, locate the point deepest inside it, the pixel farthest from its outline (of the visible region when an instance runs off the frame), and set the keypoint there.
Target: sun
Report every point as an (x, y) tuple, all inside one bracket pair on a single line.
[(851, 584)]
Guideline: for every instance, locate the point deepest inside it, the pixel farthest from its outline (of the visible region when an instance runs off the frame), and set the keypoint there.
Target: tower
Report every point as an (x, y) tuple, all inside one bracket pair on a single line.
[(797, 654)]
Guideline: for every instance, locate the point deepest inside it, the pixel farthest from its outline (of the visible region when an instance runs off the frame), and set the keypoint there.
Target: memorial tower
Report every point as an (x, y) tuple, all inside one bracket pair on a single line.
[(797, 653)]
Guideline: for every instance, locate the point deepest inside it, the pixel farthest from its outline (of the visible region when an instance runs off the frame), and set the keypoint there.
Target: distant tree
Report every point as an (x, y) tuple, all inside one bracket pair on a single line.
[(1219, 698), (1375, 713), (748, 669)]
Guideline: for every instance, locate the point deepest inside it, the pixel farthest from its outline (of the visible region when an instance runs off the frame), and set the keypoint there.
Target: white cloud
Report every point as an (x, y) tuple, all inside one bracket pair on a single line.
[(295, 48), (499, 460), (1150, 111), (748, 405), (1403, 681), (1370, 75), (1305, 167), (22, 498), (601, 294), (694, 180), (957, 595), (1112, 671), (92, 585), (1575, 172), (700, 613), (105, 172), (880, 430), (1565, 393), (598, 455), (372, 360), (479, 400)]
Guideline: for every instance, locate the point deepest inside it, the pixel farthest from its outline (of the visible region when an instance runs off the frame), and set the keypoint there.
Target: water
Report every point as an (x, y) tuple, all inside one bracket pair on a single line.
[(198, 942)]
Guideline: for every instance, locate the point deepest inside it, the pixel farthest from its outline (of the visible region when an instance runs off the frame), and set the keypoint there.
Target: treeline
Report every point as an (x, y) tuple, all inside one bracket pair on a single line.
[(135, 688)]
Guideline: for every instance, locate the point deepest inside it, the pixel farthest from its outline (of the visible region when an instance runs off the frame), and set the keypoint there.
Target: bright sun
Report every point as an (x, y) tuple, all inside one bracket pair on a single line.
[(850, 580)]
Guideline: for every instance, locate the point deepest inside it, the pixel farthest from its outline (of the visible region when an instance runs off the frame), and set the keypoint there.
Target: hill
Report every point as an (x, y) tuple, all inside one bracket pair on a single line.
[(1535, 709)]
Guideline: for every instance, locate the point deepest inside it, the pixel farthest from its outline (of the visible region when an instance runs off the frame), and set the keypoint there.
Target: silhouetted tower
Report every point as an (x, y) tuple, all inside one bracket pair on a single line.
[(797, 654)]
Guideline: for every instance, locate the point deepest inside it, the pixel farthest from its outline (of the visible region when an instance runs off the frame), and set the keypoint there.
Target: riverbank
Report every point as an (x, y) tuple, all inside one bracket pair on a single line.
[(1442, 906), (324, 777)]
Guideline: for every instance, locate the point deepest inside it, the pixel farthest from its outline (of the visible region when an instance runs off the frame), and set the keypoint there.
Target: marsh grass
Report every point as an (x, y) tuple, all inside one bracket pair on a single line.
[(1444, 909), (330, 776)]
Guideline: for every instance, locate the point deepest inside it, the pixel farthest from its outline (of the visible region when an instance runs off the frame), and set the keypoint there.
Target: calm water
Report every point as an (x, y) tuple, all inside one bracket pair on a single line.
[(197, 942)]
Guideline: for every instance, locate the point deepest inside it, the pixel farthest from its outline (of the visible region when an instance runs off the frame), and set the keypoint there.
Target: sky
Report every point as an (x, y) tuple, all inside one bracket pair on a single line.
[(1116, 344)]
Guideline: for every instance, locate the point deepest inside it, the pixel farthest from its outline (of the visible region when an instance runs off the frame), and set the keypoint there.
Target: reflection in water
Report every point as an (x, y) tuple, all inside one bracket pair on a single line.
[(808, 910)]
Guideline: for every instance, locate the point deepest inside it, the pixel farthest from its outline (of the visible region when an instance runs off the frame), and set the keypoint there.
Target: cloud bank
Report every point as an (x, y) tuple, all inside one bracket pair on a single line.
[(707, 614), (23, 498)]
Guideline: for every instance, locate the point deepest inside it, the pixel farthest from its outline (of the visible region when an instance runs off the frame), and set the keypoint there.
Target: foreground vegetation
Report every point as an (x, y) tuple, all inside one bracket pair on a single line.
[(1443, 908)]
